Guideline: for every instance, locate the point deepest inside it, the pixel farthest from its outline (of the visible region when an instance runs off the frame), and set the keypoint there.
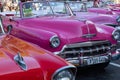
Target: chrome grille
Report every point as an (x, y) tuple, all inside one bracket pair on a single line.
[(85, 49)]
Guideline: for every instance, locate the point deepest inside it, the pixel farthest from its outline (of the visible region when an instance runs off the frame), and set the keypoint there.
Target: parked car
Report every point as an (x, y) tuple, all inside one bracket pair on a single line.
[(115, 8), (20, 60), (80, 42), (82, 11), (107, 7)]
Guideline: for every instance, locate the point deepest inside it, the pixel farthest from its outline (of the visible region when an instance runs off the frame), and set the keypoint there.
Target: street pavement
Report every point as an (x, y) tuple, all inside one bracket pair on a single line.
[(111, 72)]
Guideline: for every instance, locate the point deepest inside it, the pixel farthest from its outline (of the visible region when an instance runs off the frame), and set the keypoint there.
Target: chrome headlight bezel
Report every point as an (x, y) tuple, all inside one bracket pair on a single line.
[(65, 73), (54, 41), (118, 19), (116, 33)]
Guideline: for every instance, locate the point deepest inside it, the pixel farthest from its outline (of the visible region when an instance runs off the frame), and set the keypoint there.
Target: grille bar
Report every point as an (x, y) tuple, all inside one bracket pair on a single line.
[(85, 49), (87, 44)]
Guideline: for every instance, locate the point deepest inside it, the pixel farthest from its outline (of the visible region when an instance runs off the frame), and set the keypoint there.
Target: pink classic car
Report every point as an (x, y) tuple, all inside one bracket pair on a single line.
[(80, 42), (106, 8), (115, 8), (20, 60), (81, 10)]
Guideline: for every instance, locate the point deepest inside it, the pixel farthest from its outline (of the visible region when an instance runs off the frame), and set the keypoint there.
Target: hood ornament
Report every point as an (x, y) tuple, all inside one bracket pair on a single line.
[(89, 35), (20, 61)]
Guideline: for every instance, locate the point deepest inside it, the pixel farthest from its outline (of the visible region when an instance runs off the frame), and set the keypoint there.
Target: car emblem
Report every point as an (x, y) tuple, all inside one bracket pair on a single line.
[(89, 35)]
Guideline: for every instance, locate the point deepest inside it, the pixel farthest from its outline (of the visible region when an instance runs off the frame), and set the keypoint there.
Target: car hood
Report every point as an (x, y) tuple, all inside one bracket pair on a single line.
[(9, 69), (72, 28), (100, 10), (34, 57), (97, 18)]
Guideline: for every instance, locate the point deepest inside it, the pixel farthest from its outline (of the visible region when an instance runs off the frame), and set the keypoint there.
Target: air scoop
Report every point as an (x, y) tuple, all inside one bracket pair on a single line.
[(91, 28)]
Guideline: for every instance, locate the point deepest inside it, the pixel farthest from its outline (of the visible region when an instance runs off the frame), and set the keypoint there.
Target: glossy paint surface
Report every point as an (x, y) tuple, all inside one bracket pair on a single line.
[(112, 10), (97, 17), (69, 29), (36, 59), (115, 8)]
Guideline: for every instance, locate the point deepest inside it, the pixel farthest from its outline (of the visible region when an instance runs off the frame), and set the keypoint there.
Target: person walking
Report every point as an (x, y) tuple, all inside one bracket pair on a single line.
[(96, 3), (1, 5)]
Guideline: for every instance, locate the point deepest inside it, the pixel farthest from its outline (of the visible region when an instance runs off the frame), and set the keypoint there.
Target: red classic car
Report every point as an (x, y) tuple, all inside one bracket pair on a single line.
[(20, 60), (80, 42)]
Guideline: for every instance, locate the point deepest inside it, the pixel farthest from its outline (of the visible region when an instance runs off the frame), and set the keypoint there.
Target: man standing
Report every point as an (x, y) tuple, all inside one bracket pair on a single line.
[(96, 3), (1, 5)]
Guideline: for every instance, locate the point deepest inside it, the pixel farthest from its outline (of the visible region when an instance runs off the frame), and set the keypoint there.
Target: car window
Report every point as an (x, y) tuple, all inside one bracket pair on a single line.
[(58, 7), (33, 9), (75, 6)]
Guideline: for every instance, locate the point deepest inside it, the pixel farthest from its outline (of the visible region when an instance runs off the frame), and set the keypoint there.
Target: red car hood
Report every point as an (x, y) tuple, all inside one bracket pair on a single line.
[(70, 27), (10, 70), (34, 57)]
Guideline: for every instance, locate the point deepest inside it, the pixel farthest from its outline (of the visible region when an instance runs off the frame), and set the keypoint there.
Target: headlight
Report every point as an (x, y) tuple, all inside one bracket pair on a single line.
[(118, 19), (54, 41), (116, 34), (65, 74)]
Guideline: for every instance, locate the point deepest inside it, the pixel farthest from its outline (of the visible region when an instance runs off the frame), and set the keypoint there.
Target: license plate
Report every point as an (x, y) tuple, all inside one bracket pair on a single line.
[(96, 60)]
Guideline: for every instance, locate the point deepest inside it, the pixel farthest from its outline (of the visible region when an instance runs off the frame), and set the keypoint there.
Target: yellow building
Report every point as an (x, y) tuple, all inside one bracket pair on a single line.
[(117, 1)]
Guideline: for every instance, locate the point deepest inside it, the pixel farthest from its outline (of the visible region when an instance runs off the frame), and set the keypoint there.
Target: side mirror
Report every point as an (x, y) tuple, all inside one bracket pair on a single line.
[(9, 29)]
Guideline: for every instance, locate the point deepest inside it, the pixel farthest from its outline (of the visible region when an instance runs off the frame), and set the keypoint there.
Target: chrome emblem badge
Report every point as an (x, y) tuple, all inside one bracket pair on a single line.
[(89, 35)]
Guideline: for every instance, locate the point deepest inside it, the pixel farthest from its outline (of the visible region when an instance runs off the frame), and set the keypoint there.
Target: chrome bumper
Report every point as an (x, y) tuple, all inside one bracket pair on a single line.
[(116, 56), (83, 61), (79, 54)]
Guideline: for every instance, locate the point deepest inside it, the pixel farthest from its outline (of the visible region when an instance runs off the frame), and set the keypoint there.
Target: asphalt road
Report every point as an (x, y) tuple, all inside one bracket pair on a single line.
[(111, 72)]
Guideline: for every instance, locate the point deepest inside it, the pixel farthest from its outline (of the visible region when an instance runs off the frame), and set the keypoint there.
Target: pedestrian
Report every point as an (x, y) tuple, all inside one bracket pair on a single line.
[(96, 3), (1, 5)]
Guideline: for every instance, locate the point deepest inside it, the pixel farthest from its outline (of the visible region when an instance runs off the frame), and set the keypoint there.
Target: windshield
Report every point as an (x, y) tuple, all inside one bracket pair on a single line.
[(75, 6), (80, 6), (59, 8), (33, 9)]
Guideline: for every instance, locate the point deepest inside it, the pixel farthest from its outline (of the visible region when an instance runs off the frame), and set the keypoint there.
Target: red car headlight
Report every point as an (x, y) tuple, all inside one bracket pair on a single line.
[(65, 73)]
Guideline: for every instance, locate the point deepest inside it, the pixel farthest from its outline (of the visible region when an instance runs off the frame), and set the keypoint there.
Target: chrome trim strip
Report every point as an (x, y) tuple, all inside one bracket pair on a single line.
[(1, 26), (116, 29), (50, 40), (74, 70), (85, 51), (53, 37), (84, 44), (89, 35), (77, 60)]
